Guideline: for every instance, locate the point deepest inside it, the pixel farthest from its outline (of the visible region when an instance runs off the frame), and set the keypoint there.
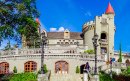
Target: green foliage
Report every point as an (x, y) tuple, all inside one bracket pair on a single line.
[(120, 58), (113, 72), (44, 69), (18, 18), (77, 69), (24, 77), (105, 77), (15, 69), (39, 71), (92, 73), (8, 47), (89, 51), (128, 68)]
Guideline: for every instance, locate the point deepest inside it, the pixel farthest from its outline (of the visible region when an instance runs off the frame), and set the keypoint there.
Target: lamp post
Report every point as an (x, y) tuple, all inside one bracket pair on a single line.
[(94, 39), (44, 39)]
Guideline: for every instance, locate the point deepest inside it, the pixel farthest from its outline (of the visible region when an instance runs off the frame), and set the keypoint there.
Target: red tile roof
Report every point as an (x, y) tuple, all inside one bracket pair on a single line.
[(37, 20), (109, 9)]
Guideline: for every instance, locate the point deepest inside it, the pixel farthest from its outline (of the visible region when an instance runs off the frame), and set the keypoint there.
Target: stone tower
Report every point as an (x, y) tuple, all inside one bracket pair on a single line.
[(105, 28), (24, 42)]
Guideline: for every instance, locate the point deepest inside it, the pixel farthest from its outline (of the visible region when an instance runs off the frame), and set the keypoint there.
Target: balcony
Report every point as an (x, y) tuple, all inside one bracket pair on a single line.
[(104, 41)]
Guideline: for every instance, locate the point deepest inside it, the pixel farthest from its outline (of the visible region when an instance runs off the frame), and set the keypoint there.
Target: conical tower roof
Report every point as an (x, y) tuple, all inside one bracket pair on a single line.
[(37, 20), (109, 9)]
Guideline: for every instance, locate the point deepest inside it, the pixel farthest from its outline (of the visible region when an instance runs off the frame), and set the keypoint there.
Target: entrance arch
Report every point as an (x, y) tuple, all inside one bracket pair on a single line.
[(61, 67), (4, 68), (30, 66), (81, 68)]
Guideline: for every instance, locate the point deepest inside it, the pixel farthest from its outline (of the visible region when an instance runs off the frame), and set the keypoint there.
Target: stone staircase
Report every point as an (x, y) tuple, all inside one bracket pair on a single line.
[(66, 77)]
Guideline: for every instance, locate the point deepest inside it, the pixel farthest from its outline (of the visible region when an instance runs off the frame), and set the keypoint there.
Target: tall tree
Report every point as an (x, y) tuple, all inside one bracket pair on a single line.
[(8, 47), (17, 19), (120, 58)]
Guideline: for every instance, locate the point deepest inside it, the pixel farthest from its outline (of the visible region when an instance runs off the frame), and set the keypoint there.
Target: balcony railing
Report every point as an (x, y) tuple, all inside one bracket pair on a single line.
[(54, 56)]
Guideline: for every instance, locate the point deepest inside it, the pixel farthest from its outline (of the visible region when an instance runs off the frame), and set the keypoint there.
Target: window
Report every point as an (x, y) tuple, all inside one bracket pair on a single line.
[(30, 66), (61, 67), (104, 20), (103, 36), (4, 68), (66, 34), (103, 50)]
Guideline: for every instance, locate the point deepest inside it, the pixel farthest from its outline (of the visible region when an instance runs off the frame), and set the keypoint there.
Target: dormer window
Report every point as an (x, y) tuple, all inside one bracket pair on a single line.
[(66, 34)]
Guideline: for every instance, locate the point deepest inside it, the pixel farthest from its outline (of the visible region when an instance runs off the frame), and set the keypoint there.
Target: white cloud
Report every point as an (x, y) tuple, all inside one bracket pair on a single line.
[(88, 14), (61, 29), (53, 30)]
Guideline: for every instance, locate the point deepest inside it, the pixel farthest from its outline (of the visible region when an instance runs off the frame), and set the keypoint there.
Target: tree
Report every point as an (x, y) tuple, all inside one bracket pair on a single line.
[(17, 19), (120, 58), (8, 47)]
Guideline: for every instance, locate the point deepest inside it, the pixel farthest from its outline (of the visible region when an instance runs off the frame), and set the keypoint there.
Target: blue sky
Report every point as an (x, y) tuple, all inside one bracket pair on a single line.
[(57, 15)]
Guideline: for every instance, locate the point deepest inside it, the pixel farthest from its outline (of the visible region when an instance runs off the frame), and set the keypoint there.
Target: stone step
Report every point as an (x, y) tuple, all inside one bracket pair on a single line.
[(66, 77)]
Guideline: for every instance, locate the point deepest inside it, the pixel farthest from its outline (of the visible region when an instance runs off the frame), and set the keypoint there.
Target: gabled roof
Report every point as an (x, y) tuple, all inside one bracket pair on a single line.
[(109, 9), (37, 20)]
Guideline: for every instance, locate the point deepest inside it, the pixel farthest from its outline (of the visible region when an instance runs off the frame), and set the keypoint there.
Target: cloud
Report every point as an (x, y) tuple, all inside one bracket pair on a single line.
[(88, 14), (61, 29), (53, 30)]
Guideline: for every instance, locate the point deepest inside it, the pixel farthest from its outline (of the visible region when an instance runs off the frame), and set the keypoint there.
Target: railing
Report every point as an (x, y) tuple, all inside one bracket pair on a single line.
[(122, 52), (114, 64), (50, 56)]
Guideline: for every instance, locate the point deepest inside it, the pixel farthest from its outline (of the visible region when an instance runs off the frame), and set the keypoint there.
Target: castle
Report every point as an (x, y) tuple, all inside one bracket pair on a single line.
[(64, 50)]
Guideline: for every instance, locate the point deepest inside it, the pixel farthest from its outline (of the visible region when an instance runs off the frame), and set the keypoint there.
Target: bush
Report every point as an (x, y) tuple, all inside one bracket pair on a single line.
[(113, 73), (106, 77), (77, 69), (24, 77), (128, 68), (15, 69), (89, 51), (121, 77), (44, 69)]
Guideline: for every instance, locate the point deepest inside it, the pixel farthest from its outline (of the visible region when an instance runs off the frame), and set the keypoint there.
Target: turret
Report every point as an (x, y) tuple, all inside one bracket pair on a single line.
[(39, 26)]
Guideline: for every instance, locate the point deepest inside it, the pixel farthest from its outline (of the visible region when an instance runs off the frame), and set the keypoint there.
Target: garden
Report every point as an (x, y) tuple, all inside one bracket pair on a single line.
[(124, 76), (25, 76)]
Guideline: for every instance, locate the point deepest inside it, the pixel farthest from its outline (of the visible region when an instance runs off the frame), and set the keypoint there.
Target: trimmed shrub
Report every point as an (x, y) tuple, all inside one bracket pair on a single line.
[(45, 68), (77, 69), (15, 69)]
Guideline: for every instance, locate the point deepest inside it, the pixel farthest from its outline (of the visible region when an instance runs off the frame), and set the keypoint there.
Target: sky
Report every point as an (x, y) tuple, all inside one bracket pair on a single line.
[(58, 15)]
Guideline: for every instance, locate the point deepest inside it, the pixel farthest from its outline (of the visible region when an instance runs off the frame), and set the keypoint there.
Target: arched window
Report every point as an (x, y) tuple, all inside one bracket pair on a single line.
[(4, 68), (30, 66), (103, 36), (61, 67)]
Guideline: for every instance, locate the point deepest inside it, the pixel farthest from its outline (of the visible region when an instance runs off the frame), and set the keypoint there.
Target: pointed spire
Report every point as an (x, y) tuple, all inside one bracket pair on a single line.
[(109, 9), (37, 20)]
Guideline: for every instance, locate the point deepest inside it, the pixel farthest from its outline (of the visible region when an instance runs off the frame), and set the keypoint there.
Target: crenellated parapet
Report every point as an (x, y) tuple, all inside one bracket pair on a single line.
[(88, 25)]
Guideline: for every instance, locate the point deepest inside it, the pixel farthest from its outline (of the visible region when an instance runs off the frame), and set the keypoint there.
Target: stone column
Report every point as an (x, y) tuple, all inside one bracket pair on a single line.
[(85, 76), (77, 49), (16, 51)]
